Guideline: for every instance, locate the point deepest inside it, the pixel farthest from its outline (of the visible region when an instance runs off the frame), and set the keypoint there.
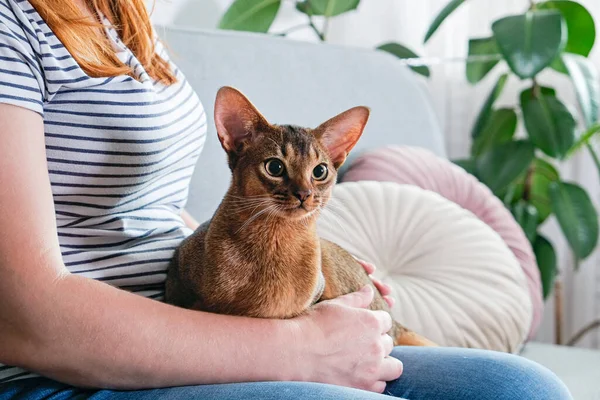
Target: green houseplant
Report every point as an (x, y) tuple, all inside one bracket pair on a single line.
[(553, 35), (258, 16)]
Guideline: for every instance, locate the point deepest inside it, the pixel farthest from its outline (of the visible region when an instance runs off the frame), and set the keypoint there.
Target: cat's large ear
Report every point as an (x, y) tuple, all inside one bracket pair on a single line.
[(236, 119), (340, 133)]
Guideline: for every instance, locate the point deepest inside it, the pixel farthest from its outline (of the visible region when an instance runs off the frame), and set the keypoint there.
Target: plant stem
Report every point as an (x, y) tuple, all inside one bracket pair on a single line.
[(585, 330), (584, 139), (558, 311), (594, 156), (536, 90), (528, 183), (325, 28), (510, 193), (314, 28), (531, 5), (292, 29)]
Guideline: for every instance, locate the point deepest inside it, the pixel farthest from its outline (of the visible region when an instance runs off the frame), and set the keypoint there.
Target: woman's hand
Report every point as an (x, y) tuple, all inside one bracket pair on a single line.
[(344, 343), (384, 289)]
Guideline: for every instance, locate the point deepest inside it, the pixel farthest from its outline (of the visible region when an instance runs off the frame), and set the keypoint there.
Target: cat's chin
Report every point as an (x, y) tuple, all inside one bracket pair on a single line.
[(299, 213)]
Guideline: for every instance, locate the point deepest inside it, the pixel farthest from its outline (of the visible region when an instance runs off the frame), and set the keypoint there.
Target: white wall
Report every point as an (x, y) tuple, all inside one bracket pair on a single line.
[(456, 102)]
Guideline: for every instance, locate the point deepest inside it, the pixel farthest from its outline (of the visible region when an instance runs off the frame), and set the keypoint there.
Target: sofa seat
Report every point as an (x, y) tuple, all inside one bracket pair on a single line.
[(578, 368)]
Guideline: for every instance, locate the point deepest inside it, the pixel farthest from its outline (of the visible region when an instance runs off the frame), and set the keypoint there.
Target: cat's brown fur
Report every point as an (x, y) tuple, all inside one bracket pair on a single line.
[(260, 255)]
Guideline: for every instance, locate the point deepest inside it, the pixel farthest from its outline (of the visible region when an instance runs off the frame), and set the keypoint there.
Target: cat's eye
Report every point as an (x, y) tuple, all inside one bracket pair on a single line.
[(274, 167), (320, 172)]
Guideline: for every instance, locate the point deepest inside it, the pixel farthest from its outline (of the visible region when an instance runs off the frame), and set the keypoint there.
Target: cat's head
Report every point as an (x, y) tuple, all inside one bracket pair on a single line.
[(288, 169)]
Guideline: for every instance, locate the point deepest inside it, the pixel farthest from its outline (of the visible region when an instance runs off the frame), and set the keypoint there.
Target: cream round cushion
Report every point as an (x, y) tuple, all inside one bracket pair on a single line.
[(454, 279), (420, 167)]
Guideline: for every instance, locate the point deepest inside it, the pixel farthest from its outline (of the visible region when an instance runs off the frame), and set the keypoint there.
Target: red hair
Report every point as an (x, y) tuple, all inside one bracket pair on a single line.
[(92, 49)]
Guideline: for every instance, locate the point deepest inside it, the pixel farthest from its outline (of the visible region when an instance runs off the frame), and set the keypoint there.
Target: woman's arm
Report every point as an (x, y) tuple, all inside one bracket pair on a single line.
[(190, 221), (87, 333)]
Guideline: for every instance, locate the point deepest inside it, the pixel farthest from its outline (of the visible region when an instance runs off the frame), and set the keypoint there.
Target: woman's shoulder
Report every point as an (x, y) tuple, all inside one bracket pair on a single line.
[(40, 60), (19, 16), (23, 30), (21, 23), (21, 75)]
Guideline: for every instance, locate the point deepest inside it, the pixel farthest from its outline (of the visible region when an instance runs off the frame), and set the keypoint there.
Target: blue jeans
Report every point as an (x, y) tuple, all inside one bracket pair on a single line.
[(429, 374)]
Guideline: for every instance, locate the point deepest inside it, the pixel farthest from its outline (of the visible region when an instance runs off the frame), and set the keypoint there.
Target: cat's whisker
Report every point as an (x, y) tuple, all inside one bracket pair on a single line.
[(246, 205), (249, 198), (250, 203), (238, 201), (250, 208), (253, 212), (302, 221), (337, 218), (255, 216), (305, 219), (249, 220), (273, 209), (334, 205), (338, 208), (273, 212), (336, 202), (265, 196)]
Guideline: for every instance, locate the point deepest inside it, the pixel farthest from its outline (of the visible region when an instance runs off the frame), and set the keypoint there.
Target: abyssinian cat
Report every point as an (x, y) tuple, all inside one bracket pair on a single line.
[(260, 254)]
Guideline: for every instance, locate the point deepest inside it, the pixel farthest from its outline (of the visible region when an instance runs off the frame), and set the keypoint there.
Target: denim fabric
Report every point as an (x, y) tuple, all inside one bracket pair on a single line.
[(429, 373)]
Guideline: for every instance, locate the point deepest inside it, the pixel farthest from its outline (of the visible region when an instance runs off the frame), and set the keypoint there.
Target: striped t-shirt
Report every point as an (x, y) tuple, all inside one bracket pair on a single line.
[(120, 153)]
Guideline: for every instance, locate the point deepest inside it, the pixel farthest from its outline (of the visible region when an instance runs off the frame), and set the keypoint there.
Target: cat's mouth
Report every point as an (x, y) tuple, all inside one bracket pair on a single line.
[(299, 210)]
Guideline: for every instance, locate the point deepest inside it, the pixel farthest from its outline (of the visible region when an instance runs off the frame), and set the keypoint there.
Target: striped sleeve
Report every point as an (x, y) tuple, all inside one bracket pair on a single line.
[(20, 75)]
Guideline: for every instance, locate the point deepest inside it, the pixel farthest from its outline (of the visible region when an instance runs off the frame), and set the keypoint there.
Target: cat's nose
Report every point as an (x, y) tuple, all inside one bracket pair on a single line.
[(302, 195)]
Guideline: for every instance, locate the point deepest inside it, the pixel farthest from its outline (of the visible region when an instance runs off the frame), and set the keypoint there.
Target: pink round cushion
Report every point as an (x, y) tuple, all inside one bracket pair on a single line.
[(422, 168)]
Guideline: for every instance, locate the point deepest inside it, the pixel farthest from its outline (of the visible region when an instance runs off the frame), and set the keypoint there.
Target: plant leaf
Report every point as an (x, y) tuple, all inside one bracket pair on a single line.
[(403, 52), (500, 128), (327, 8), (486, 110), (543, 175), (477, 70), (446, 11), (576, 216), (468, 164), (250, 15), (559, 66), (527, 217), (586, 80), (550, 125), (531, 41), (580, 25), (540, 174), (584, 139), (503, 164), (545, 90), (546, 261), (303, 7)]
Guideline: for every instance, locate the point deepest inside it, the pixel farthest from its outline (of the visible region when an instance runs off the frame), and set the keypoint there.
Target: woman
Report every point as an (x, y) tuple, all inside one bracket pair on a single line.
[(99, 134)]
